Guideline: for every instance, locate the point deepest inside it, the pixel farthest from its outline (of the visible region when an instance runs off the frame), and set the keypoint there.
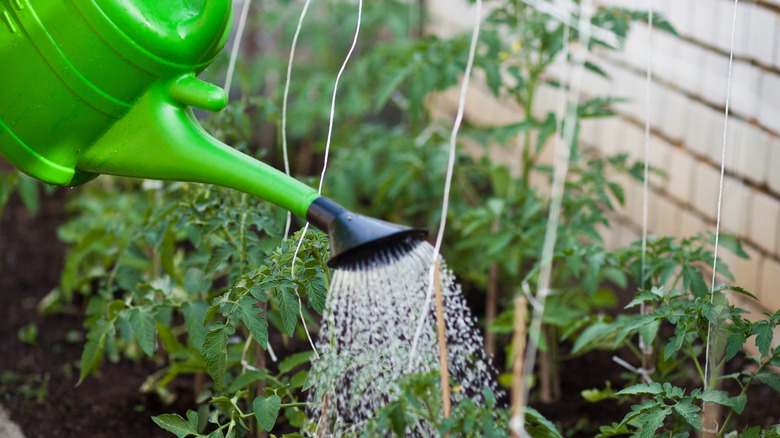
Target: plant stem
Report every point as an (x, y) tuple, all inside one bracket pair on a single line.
[(744, 390), (695, 360)]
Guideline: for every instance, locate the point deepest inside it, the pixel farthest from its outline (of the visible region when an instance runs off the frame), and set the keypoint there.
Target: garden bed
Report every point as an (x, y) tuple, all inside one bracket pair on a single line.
[(38, 381)]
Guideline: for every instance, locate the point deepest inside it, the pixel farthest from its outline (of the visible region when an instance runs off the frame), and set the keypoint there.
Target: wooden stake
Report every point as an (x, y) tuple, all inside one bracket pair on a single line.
[(441, 330), (518, 394)]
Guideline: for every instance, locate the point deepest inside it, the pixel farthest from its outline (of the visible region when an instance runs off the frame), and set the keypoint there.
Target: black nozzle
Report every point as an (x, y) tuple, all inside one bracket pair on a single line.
[(353, 235)]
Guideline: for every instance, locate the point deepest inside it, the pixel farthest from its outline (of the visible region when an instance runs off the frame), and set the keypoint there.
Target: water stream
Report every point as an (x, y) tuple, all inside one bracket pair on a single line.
[(370, 317)]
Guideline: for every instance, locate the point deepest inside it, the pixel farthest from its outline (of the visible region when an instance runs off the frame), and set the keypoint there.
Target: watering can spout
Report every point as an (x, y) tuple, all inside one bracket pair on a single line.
[(161, 139)]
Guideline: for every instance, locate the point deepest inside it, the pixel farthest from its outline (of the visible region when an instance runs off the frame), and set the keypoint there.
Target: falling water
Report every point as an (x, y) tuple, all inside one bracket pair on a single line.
[(368, 325)]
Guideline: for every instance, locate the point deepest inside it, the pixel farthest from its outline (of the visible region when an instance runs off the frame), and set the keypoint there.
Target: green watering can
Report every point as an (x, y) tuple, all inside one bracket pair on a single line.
[(92, 87)]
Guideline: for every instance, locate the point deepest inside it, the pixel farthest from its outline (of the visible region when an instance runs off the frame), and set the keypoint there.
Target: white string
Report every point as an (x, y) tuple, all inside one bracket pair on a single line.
[(236, 45), (560, 172), (642, 308), (327, 153), (589, 32), (720, 193), (448, 180), (647, 149), (284, 107)]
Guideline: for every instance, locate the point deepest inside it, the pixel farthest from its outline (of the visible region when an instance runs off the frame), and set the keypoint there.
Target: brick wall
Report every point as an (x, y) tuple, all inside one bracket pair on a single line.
[(687, 118)]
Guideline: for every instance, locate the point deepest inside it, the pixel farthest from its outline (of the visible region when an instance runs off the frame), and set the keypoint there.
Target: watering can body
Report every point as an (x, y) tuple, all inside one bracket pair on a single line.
[(92, 87)]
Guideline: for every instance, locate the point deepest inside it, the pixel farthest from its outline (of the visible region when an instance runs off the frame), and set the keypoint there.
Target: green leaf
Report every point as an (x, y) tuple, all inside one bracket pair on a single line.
[(246, 379), (294, 360), (175, 424), (675, 343), (194, 312), (316, 292), (731, 242), (715, 396), (764, 333), (643, 388), (694, 281), (29, 193), (653, 420), (215, 352), (734, 343), (738, 403), (93, 349), (144, 328), (596, 331), (547, 429), (398, 420), (218, 257), (391, 84), (752, 432), (288, 307), (689, 412), (257, 325), (266, 410), (770, 379)]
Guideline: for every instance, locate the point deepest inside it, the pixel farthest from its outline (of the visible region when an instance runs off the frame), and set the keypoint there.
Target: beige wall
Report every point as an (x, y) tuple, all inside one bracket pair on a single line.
[(687, 119)]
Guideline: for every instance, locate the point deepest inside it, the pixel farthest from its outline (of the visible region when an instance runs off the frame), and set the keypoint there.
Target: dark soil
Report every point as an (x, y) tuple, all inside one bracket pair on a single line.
[(38, 382)]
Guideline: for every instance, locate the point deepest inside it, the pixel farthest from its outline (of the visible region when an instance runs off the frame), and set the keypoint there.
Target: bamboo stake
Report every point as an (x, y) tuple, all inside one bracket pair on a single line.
[(441, 330), (518, 398)]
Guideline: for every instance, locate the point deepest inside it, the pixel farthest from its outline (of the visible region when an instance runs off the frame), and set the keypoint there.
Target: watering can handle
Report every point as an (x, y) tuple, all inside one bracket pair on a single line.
[(160, 138)]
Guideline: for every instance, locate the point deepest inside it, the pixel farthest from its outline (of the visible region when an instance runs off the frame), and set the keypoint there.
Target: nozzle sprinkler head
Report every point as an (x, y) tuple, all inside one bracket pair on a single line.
[(354, 236)]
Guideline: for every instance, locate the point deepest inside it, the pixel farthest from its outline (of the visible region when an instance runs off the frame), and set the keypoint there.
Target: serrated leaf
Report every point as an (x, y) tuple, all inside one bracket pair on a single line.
[(734, 343), (194, 312), (689, 412), (738, 403), (144, 328), (597, 330), (175, 424), (294, 360), (215, 352), (731, 242), (675, 343), (770, 379), (246, 379), (218, 257), (716, 396), (643, 388), (266, 410), (288, 308), (653, 420), (548, 429), (397, 416), (694, 281), (257, 325), (93, 349), (316, 292), (764, 333)]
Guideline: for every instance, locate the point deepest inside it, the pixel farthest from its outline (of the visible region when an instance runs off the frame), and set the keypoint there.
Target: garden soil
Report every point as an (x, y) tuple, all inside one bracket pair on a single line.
[(38, 382)]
